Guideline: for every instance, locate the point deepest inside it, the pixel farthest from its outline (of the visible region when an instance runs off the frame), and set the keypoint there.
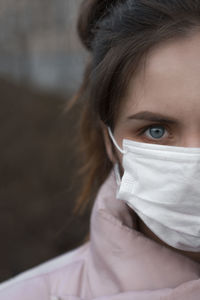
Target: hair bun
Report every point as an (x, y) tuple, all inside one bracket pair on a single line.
[(90, 12)]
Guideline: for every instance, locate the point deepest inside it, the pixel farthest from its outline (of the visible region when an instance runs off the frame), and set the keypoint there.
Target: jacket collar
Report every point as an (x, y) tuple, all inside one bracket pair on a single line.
[(123, 259)]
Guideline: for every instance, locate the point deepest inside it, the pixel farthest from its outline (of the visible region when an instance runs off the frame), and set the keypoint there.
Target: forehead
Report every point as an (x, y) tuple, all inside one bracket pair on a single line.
[(169, 81)]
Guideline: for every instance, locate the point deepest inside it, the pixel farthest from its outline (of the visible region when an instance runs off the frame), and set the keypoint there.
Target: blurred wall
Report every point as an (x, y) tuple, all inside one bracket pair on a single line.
[(39, 45), (41, 65)]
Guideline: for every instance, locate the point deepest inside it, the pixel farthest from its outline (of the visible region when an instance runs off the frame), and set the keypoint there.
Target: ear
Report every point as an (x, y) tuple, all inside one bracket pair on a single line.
[(108, 143)]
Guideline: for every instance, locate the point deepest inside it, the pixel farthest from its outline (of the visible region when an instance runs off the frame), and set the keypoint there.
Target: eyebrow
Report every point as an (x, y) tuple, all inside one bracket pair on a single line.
[(150, 116)]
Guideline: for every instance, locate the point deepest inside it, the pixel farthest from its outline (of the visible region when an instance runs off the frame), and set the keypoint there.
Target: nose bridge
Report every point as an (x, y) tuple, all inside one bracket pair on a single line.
[(191, 138)]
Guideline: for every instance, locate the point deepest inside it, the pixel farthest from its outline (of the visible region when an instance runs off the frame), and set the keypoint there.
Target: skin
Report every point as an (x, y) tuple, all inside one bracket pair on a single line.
[(167, 85)]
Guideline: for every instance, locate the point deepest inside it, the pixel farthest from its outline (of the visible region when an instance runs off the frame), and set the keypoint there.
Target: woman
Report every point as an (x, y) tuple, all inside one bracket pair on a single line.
[(140, 127)]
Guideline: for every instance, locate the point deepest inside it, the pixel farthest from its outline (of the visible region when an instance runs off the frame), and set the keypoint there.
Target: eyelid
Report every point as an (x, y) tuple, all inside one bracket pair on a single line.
[(149, 126)]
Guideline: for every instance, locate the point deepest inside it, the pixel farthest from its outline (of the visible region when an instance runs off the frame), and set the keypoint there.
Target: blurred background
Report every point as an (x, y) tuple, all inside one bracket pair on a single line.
[(41, 66)]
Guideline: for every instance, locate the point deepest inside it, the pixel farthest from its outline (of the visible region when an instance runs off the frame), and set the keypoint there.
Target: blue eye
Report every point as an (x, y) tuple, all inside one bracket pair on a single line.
[(156, 132)]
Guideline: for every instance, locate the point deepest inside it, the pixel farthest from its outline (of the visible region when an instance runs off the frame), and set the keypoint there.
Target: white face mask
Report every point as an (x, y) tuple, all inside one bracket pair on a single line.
[(162, 185)]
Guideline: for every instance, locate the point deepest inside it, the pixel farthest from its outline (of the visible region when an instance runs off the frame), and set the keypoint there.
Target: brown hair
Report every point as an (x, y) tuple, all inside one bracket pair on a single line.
[(119, 34)]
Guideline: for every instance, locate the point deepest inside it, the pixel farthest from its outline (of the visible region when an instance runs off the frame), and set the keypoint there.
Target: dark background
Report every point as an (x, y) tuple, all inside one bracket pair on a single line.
[(41, 65)]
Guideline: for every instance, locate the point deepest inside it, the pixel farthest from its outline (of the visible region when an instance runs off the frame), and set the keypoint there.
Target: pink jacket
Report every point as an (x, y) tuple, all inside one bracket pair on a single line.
[(119, 263)]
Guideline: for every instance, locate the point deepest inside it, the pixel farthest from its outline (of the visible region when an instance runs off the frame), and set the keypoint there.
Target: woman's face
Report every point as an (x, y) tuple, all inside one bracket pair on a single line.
[(163, 101)]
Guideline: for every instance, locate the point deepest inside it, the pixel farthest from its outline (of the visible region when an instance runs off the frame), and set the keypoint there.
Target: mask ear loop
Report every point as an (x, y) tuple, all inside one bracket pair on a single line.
[(116, 166), (114, 141), (117, 174)]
